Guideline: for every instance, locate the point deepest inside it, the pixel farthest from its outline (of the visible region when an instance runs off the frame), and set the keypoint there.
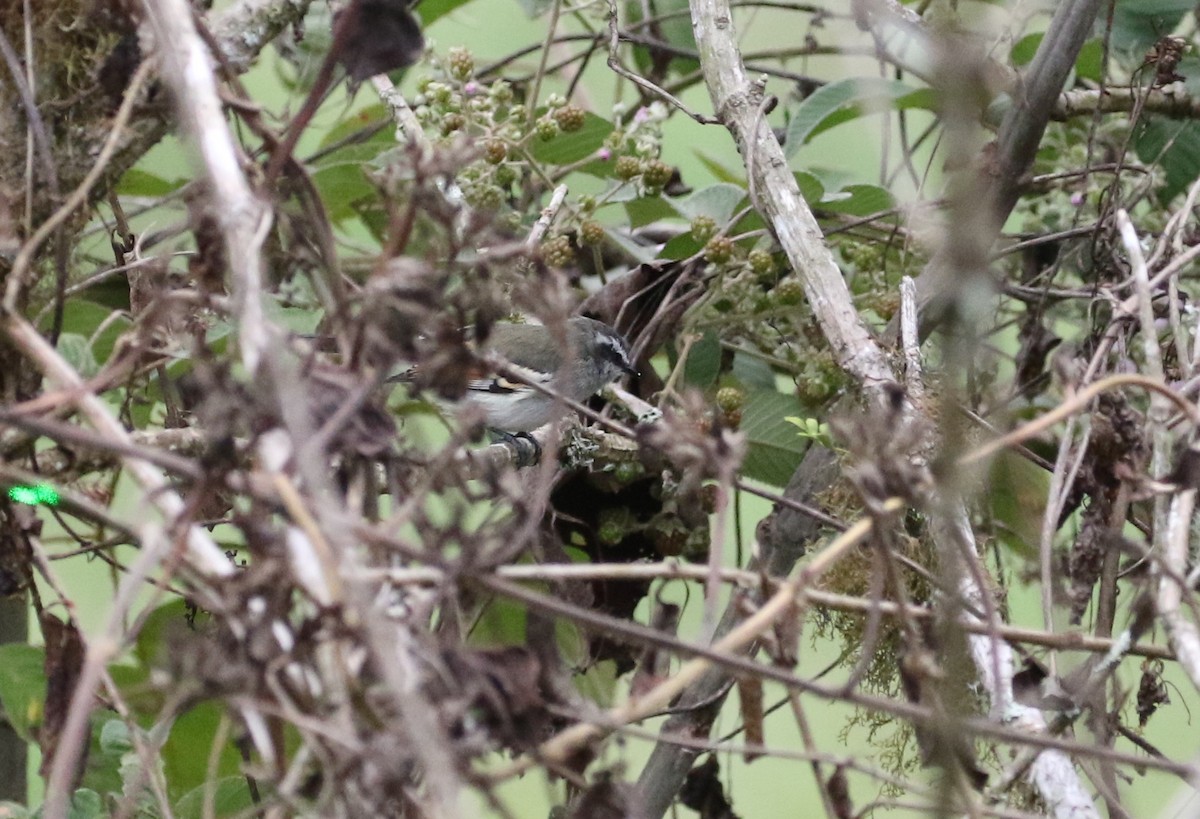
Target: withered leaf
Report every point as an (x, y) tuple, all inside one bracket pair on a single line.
[(64, 662), (838, 790), (702, 792), (750, 699)]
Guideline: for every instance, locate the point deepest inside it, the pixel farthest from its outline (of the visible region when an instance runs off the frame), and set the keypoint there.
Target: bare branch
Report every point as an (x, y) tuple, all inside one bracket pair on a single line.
[(187, 69), (775, 194)]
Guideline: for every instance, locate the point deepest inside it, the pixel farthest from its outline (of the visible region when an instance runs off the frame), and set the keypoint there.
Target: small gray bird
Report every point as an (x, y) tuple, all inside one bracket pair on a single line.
[(595, 355)]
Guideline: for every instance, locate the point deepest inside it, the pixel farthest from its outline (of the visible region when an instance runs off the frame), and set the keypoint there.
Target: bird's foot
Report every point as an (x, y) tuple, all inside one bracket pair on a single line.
[(528, 450)]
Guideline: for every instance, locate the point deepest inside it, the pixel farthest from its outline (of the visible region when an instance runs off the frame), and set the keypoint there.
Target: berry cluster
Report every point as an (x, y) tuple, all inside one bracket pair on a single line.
[(453, 104)]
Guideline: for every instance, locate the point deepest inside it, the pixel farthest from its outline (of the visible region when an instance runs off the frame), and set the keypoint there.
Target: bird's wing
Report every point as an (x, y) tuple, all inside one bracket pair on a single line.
[(504, 384), (524, 347)]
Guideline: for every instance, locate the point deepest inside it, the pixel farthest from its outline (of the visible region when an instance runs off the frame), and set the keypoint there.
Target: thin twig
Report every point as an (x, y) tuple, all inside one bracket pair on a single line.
[(78, 197)]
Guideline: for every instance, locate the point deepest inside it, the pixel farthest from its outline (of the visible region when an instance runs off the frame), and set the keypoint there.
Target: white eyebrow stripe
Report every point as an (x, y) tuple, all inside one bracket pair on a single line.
[(616, 345)]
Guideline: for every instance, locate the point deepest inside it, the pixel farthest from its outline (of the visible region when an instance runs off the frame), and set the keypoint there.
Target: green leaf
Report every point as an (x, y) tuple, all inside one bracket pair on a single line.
[(115, 738), (339, 175), (502, 623), (848, 99), (78, 353), (574, 146), (231, 796), (159, 631), (673, 25), (647, 209), (680, 247), (751, 221), (718, 202), (361, 121), (136, 182), (813, 430), (703, 361), (831, 179), (811, 188), (340, 185), (301, 320), (1138, 24), (85, 804), (23, 687), (858, 200), (773, 449), (431, 10), (752, 372), (1090, 63), (108, 756), (145, 701), (85, 318), (186, 751), (1176, 147), (1024, 49), (598, 683)]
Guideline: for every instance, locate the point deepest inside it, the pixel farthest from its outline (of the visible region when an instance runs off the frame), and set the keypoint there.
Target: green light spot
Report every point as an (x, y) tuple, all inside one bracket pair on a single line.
[(39, 494)]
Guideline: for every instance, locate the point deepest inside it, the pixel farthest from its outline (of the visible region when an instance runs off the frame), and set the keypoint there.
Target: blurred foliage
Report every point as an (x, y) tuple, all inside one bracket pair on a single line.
[(737, 350)]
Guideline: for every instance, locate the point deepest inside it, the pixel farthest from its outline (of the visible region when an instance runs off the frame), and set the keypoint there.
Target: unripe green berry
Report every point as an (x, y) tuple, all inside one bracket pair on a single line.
[(703, 228), (591, 232), (628, 471), (461, 63), (761, 262), (546, 129), (484, 197), (452, 123), (505, 175), (495, 151), (610, 533), (569, 118), (719, 250), (789, 292), (557, 251), (731, 398), (656, 173), (627, 167), (614, 524)]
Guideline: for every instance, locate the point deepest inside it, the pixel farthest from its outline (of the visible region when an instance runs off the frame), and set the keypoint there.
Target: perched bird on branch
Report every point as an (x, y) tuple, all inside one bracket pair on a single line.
[(536, 368)]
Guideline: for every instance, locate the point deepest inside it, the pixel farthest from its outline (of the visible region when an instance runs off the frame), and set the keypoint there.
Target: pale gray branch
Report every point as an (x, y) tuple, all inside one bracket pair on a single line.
[(775, 194), (186, 68)]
